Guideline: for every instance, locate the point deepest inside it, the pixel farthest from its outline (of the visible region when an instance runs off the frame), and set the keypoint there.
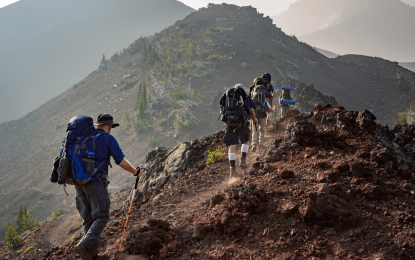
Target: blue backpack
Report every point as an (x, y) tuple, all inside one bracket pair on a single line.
[(77, 155), (233, 111)]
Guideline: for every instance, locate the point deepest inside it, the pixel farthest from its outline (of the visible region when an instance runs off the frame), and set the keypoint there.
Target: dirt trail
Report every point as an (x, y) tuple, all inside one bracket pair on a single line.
[(182, 208), (64, 228)]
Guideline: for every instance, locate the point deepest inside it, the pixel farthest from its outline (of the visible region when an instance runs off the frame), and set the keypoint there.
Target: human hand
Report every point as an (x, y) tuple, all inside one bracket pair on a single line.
[(138, 173)]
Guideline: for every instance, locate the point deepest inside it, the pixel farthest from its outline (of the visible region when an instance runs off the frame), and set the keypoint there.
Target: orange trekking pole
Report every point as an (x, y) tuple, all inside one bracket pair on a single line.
[(131, 204)]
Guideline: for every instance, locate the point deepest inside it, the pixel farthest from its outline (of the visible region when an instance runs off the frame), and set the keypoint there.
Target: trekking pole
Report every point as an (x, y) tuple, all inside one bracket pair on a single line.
[(257, 138), (131, 204), (275, 125)]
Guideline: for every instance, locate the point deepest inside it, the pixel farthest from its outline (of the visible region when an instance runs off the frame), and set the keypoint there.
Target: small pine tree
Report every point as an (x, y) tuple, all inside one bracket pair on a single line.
[(141, 113), (20, 220), (138, 98), (144, 97), (103, 59), (12, 238), (126, 119)]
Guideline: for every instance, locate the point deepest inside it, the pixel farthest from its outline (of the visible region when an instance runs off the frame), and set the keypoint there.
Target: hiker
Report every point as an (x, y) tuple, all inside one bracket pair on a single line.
[(262, 108), (236, 107), (270, 92), (285, 100), (92, 198)]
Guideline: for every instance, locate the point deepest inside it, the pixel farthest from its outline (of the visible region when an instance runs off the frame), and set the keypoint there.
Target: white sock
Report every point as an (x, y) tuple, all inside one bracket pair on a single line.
[(232, 156), (245, 148)]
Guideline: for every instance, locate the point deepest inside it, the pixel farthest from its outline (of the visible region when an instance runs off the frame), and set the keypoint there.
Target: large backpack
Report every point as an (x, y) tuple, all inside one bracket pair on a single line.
[(233, 111), (77, 155), (259, 93)]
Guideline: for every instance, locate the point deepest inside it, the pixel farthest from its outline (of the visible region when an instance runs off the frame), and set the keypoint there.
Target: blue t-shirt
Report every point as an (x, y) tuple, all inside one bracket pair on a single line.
[(106, 147), (270, 88)]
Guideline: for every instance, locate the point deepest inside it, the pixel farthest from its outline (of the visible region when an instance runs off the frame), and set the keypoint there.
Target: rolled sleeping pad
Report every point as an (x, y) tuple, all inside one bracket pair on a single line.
[(287, 101), (284, 88)]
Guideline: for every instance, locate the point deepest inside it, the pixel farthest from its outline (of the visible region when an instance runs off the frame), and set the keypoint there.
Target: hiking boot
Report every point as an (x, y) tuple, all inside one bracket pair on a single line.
[(94, 250), (242, 162), (83, 252), (233, 172)]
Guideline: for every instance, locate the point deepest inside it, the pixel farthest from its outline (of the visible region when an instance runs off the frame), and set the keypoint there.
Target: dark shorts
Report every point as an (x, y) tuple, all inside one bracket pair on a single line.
[(240, 136)]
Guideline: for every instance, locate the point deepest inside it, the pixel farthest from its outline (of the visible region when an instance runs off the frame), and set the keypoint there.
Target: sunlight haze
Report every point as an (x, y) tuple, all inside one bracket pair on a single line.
[(4, 3), (270, 8)]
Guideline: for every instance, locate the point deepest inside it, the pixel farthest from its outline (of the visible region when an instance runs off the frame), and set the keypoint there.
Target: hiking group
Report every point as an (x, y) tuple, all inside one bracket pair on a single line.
[(83, 162), (87, 147), (242, 112)]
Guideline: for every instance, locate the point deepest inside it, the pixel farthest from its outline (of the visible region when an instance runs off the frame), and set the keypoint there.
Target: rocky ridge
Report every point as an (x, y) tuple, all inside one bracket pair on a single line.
[(211, 50), (335, 186)]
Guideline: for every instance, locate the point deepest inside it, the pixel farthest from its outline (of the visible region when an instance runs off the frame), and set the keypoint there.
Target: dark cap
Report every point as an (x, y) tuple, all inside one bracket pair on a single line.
[(106, 119)]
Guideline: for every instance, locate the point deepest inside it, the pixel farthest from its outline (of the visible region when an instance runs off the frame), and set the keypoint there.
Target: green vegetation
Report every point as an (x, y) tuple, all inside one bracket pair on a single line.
[(402, 118), (184, 124), (12, 238), (161, 122), (139, 122), (211, 32), (56, 213), (126, 119), (152, 141), (141, 98), (180, 94), (214, 156), (27, 250), (24, 220)]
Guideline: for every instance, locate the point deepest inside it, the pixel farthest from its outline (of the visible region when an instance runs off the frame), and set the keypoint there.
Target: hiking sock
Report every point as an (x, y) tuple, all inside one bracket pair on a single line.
[(244, 150), (232, 157)]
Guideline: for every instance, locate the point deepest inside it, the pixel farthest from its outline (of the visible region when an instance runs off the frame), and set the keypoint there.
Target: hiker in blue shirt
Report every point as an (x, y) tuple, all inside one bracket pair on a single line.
[(92, 198)]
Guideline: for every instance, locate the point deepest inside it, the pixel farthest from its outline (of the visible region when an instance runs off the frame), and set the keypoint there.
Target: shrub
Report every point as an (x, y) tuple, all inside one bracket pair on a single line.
[(181, 123), (214, 156), (214, 57), (161, 122), (12, 238), (56, 213), (152, 141), (211, 32)]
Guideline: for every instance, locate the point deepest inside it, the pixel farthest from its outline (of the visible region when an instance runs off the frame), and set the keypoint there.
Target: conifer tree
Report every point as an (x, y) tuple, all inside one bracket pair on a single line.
[(126, 119), (103, 59), (12, 238), (144, 97), (138, 98), (19, 220), (142, 113)]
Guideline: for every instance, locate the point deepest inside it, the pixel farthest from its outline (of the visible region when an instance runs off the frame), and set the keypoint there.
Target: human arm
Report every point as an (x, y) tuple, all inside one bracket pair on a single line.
[(126, 165), (252, 114)]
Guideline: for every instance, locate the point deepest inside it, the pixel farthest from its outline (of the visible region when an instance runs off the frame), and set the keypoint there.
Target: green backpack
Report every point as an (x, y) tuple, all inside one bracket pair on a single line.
[(258, 96)]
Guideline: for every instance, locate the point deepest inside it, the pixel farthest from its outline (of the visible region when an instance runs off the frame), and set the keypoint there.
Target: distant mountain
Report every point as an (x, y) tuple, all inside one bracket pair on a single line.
[(328, 54), (305, 17), (185, 67), (408, 65), (48, 45), (379, 28)]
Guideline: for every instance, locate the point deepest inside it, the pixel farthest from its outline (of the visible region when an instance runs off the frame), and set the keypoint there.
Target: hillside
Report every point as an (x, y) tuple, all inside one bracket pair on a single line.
[(334, 186), (184, 68), (49, 45)]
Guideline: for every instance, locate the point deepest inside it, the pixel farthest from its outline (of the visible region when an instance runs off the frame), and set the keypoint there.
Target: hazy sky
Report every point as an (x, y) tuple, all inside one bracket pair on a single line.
[(267, 7), (3, 3)]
